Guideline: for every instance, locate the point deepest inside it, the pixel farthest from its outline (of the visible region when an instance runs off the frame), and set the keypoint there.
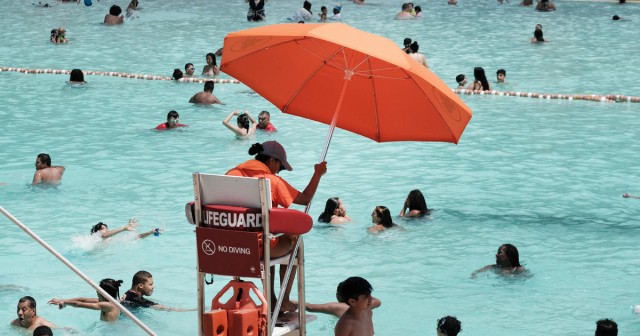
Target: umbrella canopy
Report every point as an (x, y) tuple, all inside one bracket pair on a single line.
[(371, 86)]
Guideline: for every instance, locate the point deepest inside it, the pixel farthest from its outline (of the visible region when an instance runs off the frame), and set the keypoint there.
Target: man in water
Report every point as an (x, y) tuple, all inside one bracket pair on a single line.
[(45, 173), (141, 286), (501, 74), (206, 96), (405, 13), (27, 317), (264, 122)]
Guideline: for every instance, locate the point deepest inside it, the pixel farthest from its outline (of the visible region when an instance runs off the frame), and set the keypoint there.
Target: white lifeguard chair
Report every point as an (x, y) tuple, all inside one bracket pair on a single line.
[(232, 216)]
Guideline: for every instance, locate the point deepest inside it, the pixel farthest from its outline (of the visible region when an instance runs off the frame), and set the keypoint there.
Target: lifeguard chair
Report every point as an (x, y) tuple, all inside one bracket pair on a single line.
[(233, 216)]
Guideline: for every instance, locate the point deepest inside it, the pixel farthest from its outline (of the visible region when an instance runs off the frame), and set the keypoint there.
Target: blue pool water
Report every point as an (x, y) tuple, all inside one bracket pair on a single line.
[(545, 175)]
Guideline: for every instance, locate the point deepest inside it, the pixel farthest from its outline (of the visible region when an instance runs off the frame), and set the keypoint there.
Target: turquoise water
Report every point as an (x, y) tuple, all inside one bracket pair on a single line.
[(544, 175)]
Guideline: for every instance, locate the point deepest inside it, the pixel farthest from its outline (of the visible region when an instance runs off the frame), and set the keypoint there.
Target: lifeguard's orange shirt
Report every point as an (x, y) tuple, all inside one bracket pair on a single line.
[(282, 193)]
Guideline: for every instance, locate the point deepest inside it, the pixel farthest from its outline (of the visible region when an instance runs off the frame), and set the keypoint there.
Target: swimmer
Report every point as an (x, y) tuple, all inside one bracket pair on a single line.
[(302, 14), (462, 81), (480, 82), (27, 317), (334, 212), (336, 14), (545, 6), (45, 173), (526, 3), (501, 75), (177, 74), (246, 124), (606, 327), (407, 45), (358, 318), (381, 218), (616, 18), (418, 57), (189, 69), (264, 122), (54, 36), (448, 326), (507, 262), (538, 35), (416, 205), (256, 10), (323, 13), (418, 11), (103, 231), (61, 38), (206, 96), (42, 331), (109, 312), (211, 69), (76, 77), (173, 119), (142, 285), (625, 195), (114, 17), (452, 2), (405, 13)]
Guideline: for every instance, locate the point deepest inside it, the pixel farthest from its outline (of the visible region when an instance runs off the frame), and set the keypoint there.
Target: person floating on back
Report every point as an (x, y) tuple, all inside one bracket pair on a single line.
[(109, 312), (46, 174), (358, 318)]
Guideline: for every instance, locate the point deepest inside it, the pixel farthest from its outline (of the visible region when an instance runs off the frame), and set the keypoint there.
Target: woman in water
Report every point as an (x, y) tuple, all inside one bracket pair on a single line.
[(381, 218), (211, 69), (109, 312), (334, 212), (416, 205), (538, 36), (256, 10), (507, 262), (76, 77), (246, 124), (480, 83)]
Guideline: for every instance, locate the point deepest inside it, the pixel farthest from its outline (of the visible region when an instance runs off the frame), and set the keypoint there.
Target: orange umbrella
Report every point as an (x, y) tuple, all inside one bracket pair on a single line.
[(345, 77)]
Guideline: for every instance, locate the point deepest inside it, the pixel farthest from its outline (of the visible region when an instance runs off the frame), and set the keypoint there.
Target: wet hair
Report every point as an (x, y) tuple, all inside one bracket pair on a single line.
[(208, 86), (478, 73), (186, 66), (307, 5), (460, 78), (42, 331), (501, 71), (30, 300), (140, 277), (449, 325), (414, 46), (407, 42), (76, 75), (352, 288), (243, 121), (323, 8), (265, 112), (98, 227), (213, 58), (406, 5), (112, 287), (606, 327), (418, 9), (331, 206), (177, 74), (416, 202), (45, 159), (615, 17), (115, 10), (512, 254), (172, 114), (385, 216), (538, 35)]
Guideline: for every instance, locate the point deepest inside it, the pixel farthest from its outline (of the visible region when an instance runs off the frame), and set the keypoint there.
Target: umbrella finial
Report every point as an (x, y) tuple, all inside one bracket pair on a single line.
[(347, 74)]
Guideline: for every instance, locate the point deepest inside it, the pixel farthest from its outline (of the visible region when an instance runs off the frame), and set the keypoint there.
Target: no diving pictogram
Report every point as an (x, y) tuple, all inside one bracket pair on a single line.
[(208, 247)]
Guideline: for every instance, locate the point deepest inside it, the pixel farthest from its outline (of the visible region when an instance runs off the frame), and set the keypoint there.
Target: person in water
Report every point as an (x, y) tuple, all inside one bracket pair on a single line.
[(334, 212), (45, 173), (416, 205), (246, 125), (103, 230), (264, 122), (358, 318), (173, 119), (507, 262), (27, 316), (76, 76), (448, 326), (109, 312), (206, 97), (381, 219), (114, 17), (256, 10)]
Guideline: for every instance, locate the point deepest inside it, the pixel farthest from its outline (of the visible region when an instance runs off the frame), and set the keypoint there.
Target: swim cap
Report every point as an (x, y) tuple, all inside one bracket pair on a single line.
[(87, 2)]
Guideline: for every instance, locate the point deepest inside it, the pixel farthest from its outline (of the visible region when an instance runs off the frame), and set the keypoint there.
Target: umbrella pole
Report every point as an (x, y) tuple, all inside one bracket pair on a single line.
[(325, 149)]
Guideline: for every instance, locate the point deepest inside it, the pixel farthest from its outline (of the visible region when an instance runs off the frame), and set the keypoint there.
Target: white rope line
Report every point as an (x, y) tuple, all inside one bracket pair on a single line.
[(119, 74), (611, 98)]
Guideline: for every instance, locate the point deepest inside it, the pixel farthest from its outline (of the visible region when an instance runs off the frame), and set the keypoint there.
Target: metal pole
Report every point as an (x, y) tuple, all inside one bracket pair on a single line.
[(76, 270), (197, 208)]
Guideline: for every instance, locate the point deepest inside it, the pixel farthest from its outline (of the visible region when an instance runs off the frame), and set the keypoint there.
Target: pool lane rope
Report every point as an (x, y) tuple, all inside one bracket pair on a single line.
[(119, 74), (592, 97)]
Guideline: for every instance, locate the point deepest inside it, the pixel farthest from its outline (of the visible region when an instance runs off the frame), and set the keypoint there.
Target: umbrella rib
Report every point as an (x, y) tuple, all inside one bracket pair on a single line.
[(375, 105)]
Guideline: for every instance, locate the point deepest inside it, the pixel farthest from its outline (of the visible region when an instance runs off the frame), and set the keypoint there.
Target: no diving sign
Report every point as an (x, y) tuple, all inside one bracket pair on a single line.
[(228, 252)]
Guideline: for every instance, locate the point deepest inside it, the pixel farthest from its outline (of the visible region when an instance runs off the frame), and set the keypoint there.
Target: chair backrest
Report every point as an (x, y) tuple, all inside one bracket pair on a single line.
[(231, 190)]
